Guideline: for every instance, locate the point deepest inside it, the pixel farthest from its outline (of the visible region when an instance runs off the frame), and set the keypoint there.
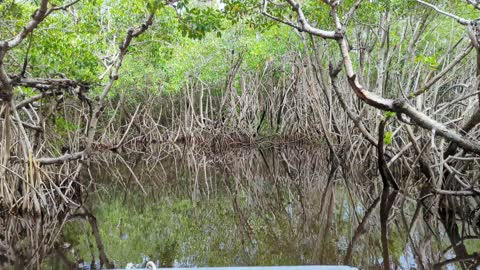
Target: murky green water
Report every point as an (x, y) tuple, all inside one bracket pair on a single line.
[(276, 206)]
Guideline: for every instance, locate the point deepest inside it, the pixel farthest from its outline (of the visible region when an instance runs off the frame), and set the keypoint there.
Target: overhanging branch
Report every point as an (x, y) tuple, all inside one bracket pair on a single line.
[(49, 83), (399, 106)]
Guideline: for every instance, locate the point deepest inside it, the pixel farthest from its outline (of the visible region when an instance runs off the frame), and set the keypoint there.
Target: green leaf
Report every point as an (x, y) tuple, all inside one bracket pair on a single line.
[(389, 115), (388, 137)]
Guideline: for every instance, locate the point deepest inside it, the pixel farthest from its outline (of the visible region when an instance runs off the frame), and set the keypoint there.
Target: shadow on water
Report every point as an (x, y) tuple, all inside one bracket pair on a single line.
[(252, 206)]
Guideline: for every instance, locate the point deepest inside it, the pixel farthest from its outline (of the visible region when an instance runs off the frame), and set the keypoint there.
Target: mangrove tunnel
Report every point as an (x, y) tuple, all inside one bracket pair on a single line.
[(204, 133)]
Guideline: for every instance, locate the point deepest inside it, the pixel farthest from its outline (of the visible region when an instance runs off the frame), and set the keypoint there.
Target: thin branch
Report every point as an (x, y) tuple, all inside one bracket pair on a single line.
[(38, 16), (350, 12), (32, 99), (264, 12), (128, 128), (456, 192), (61, 159), (64, 7), (443, 71), (43, 84), (304, 25), (460, 20)]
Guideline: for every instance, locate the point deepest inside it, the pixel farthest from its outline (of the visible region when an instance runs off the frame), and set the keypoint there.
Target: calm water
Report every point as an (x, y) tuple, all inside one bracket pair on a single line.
[(244, 207)]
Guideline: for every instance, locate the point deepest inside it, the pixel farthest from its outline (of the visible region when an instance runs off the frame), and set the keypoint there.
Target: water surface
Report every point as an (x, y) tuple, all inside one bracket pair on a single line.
[(242, 207)]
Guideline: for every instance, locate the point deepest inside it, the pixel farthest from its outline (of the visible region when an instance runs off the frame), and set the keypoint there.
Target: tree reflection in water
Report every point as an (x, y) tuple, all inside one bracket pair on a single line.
[(246, 206)]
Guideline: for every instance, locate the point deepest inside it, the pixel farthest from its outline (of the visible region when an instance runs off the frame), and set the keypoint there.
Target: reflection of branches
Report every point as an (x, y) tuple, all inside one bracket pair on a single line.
[(386, 204), (104, 261), (242, 219), (26, 240), (387, 198), (61, 254), (361, 229), (291, 194), (474, 257)]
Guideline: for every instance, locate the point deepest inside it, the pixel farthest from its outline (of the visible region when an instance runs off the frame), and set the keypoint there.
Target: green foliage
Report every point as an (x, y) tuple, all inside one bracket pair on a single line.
[(199, 21), (154, 5), (389, 115), (63, 126), (430, 61), (191, 40), (319, 12), (388, 137), (25, 91), (472, 245), (210, 58)]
